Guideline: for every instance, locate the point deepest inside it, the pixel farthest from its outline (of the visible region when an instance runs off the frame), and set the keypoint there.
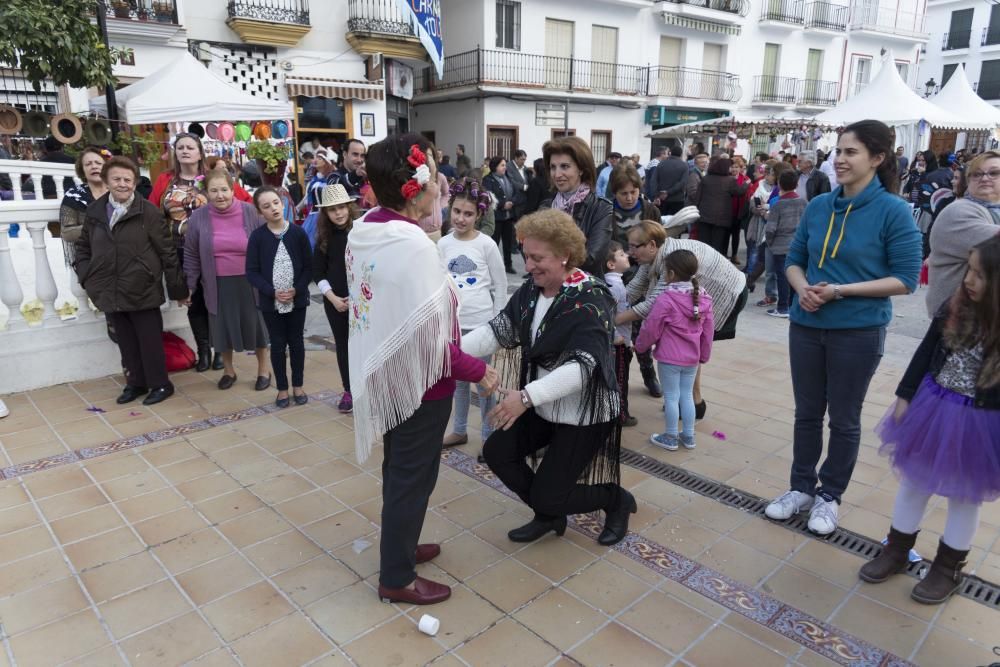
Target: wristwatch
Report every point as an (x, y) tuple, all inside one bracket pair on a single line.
[(525, 399), (837, 296)]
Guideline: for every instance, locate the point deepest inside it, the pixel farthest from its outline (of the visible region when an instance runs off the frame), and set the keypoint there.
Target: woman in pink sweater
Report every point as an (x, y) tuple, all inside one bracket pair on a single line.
[(679, 330)]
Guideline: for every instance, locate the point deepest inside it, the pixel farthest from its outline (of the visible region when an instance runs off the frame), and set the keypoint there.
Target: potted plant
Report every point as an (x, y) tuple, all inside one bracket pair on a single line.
[(121, 8), (164, 12), (271, 161)]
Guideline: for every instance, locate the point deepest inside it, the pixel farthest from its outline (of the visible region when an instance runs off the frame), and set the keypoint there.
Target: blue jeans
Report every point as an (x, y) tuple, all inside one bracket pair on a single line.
[(678, 397), (760, 260), (784, 289), (831, 370), (462, 402), (770, 281)]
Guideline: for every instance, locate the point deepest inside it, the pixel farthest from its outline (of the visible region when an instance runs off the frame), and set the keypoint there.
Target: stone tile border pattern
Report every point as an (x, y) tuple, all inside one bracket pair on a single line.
[(796, 625)]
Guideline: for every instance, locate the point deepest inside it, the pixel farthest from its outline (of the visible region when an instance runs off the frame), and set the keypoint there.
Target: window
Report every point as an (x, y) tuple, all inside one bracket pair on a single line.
[(989, 80), (904, 71), (604, 55), (861, 73), (992, 35), (508, 25), (960, 30), (948, 71), (600, 145), (501, 141)]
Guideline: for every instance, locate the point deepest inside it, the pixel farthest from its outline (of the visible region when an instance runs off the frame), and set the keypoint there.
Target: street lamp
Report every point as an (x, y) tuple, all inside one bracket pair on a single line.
[(930, 87)]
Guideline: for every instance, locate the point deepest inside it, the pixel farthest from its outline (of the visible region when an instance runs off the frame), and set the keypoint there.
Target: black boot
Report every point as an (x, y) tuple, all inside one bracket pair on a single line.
[(217, 364), (537, 528), (204, 356), (616, 520), (893, 559), (943, 578)]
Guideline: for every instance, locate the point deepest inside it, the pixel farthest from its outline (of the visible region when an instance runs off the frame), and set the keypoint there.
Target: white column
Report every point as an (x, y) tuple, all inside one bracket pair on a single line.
[(83, 309), (45, 285), (10, 288)]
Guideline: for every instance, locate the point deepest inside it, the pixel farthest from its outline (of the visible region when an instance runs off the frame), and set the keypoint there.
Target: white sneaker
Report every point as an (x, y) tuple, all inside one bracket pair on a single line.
[(823, 517), (3, 410), (788, 504)]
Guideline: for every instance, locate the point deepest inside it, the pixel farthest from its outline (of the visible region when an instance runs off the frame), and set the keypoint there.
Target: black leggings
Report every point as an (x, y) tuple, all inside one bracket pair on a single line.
[(286, 330), (339, 325), (197, 312), (715, 236), (504, 235)]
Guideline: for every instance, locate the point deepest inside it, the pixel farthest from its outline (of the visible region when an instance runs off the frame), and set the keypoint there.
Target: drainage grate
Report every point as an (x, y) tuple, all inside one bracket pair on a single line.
[(974, 588)]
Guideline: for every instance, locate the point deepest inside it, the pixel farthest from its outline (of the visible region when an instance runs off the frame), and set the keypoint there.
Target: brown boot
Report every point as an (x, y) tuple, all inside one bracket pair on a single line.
[(893, 559), (943, 578)]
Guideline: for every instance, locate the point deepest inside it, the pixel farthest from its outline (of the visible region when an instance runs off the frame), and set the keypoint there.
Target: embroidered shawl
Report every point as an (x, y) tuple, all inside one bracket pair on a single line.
[(403, 312), (579, 326)]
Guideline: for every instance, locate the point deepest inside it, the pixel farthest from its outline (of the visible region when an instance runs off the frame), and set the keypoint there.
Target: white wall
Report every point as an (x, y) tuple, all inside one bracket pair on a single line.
[(939, 22), (464, 26), (456, 122)]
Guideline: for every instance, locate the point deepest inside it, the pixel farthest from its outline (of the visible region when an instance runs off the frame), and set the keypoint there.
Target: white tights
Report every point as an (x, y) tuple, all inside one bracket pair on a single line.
[(959, 528)]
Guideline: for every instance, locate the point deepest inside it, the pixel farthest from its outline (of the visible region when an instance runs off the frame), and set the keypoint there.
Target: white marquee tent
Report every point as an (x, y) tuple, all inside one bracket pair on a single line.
[(957, 95), (186, 90)]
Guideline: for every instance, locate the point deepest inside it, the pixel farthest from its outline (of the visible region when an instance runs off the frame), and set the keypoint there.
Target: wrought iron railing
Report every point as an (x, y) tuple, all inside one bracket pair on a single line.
[(783, 11), (888, 20), (774, 89), (990, 36), (989, 89), (956, 39), (739, 7), (275, 11), (159, 11), (694, 83), (816, 93), (377, 16), (525, 70), (826, 16)]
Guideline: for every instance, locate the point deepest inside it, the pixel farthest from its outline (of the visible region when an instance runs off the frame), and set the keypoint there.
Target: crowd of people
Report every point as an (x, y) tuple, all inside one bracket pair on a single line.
[(413, 257)]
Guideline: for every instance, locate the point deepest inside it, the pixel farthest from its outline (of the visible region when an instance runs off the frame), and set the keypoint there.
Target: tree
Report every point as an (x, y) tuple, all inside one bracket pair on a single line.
[(54, 40)]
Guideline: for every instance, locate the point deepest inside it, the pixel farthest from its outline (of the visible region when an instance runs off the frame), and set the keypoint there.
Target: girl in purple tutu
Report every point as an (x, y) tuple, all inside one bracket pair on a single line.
[(943, 432)]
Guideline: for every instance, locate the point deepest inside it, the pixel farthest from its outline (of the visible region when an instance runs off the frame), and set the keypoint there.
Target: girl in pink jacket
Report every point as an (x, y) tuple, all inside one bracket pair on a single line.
[(679, 330)]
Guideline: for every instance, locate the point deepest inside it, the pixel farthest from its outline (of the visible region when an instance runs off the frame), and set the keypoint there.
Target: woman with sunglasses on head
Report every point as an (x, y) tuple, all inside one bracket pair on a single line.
[(965, 223), (179, 192)]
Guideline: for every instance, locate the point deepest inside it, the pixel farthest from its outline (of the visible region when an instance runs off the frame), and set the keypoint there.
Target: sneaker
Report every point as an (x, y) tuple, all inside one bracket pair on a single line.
[(664, 441), (774, 312), (766, 301), (346, 404), (823, 517), (788, 504), (687, 443)]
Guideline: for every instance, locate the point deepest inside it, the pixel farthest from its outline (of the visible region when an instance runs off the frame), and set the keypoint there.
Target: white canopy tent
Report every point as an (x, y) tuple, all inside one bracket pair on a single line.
[(186, 90), (957, 95)]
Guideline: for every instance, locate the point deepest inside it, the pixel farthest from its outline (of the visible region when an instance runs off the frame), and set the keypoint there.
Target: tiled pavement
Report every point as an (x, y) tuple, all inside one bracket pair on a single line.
[(217, 532)]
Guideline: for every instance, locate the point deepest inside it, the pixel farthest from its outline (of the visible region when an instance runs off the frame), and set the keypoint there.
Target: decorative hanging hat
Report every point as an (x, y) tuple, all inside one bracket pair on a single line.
[(10, 119), (226, 131), (197, 130), (66, 128), (242, 131), (36, 123), (262, 130), (279, 129), (97, 131), (212, 130)]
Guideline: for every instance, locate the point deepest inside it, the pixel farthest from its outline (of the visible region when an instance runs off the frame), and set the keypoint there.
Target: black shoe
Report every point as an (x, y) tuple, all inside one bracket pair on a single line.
[(263, 382), (700, 409), (301, 399), (282, 402), (653, 386), (130, 393), (227, 381), (616, 521), (159, 394), (535, 529), (217, 364), (204, 357)]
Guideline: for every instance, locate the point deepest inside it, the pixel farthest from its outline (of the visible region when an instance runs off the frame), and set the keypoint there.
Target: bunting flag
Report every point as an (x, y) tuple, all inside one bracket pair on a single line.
[(425, 16)]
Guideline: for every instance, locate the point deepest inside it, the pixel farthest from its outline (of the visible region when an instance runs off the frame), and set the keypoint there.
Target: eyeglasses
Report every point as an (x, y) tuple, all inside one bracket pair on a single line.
[(984, 175)]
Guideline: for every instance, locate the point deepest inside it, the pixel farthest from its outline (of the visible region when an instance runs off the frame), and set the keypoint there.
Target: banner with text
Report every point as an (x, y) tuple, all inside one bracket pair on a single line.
[(425, 16)]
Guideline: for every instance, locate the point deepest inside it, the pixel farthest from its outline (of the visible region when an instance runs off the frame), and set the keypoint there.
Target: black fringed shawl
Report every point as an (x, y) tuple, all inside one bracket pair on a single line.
[(579, 326)]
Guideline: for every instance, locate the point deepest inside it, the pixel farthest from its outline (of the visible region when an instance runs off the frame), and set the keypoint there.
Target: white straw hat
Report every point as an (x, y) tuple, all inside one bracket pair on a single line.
[(333, 195)]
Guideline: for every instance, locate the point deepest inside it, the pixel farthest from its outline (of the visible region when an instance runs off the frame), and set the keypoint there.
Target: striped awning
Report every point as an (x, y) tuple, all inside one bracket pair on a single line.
[(341, 89), (697, 24)]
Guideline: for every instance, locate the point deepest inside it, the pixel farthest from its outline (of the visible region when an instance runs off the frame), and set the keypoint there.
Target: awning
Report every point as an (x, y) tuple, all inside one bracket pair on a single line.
[(697, 24), (340, 89)]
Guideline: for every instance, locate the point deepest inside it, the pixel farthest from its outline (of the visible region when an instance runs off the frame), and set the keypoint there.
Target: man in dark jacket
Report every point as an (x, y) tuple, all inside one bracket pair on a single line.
[(518, 177), (671, 176), (463, 165), (812, 181), (352, 169)]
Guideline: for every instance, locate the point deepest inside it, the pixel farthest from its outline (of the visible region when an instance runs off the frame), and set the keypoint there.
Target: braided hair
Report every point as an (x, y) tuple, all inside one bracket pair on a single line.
[(683, 264), (470, 189)]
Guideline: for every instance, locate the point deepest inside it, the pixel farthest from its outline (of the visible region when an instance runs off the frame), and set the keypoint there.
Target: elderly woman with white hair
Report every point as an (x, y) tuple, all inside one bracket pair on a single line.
[(812, 181)]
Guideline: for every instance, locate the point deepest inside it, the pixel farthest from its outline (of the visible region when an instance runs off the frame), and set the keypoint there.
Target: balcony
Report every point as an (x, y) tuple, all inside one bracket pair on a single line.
[(512, 69), (773, 91), (378, 26), (721, 16), (142, 21), (955, 40), (886, 22), (783, 14), (990, 38), (826, 17), (689, 83), (815, 94), (269, 22)]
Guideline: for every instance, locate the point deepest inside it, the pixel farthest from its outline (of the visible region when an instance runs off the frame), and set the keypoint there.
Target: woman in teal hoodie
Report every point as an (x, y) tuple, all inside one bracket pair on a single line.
[(855, 248)]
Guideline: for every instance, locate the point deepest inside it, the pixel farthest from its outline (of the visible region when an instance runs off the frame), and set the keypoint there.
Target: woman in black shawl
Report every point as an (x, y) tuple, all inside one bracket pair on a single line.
[(562, 322)]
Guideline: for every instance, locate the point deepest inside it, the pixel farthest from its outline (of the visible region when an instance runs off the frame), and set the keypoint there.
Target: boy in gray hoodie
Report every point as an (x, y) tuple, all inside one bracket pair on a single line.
[(782, 221)]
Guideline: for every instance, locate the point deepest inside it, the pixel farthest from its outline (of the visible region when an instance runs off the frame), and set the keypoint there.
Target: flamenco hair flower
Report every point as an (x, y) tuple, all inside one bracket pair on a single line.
[(421, 173), (416, 157), (105, 153), (411, 189)]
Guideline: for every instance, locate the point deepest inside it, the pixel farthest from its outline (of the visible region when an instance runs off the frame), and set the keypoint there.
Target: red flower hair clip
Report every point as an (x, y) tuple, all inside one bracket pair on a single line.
[(416, 157), (421, 173)]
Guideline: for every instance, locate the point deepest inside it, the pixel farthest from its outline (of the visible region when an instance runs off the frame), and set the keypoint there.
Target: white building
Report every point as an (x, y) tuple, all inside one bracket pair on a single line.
[(625, 67), (967, 33)]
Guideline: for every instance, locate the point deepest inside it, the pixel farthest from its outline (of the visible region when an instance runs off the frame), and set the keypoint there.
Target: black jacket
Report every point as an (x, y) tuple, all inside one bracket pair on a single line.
[(817, 184), (595, 218), (714, 198), (538, 191), (122, 269), (671, 177), (930, 358), (330, 264), (492, 183), (262, 246)]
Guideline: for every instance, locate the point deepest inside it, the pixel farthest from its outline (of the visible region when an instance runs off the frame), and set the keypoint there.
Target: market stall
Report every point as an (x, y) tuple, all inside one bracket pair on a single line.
[(958, 94), (746, 135)]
